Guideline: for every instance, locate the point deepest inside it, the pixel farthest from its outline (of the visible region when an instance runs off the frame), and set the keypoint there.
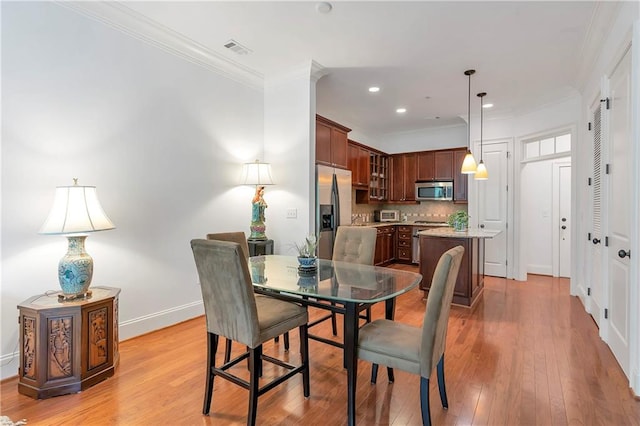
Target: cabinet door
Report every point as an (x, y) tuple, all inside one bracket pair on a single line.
[(363, 167), (426, 165), (323, 143), (339, 148), (397, 177), (460, 181), (410, 177), (443, 161), (353, 162), (378, 257)]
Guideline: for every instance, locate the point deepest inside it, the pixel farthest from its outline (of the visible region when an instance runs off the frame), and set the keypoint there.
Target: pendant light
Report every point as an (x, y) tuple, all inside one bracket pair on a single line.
[(469, 163), (481, 171)]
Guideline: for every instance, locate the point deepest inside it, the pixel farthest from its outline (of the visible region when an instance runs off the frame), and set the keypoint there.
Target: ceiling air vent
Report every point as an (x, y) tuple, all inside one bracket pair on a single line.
[(236, 47)]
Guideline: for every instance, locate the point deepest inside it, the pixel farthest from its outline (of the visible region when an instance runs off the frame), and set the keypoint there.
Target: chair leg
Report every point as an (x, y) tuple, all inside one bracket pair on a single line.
[(286, 341), (212, 346), (254, 379), (304, 357), (390, 375), (227, 351), (424, 401), (368, 314), (441, 385), (374, 373)]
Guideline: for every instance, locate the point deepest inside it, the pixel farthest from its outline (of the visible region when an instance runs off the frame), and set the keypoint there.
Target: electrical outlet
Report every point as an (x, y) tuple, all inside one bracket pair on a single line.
[(292, 213)]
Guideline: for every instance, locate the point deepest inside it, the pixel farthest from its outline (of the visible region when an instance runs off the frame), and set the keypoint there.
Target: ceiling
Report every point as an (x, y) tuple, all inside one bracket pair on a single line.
[(524, 53)]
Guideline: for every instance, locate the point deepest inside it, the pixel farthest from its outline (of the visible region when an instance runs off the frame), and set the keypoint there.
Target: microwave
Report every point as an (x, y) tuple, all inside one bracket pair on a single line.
[(434, 191), (387, 215)]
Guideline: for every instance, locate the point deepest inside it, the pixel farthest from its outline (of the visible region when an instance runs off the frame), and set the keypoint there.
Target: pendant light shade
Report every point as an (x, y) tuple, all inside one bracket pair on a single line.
[(481, 171), (469, 165)]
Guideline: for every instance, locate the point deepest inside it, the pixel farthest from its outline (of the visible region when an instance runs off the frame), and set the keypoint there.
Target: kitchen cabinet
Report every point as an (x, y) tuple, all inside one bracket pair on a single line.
[(331, 143), (385, 245), (403, 172), (443, 165), (426, 168), (460, 181), (358, 162), (404, 243), (378, 190)]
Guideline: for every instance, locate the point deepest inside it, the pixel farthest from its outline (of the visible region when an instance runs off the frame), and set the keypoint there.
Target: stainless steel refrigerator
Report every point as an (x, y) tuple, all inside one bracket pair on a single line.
[(333, 206)]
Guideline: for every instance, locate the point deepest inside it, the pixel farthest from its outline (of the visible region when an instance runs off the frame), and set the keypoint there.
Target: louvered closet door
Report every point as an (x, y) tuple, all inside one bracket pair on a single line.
[(597, 291)]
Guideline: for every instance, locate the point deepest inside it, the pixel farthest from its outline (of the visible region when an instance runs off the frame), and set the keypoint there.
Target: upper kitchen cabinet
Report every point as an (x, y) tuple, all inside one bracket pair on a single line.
[(443, 165), (358, 162), (460, 181), (435, 165), (403, 172), (331, 143), (378, 179), (426, 168)]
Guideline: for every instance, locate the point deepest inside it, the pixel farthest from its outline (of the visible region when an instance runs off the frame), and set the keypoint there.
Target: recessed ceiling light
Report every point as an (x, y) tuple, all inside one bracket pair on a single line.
[(401, 110), (487, 105), (374, 89)]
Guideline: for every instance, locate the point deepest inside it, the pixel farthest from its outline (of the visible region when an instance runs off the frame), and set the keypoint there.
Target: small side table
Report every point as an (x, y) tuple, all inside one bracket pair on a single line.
[(260, 247), (66, 347)]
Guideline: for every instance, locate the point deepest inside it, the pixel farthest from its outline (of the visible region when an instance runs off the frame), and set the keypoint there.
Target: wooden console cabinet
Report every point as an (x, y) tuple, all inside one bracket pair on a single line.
[(66, 347)]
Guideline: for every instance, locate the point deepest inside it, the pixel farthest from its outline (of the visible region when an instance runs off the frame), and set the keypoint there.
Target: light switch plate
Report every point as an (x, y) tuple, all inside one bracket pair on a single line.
[(292, 213)]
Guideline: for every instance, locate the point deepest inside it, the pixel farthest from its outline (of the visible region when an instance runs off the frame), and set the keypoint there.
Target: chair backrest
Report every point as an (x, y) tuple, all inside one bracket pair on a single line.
[(355, 244), (436, 317), (227, 291), (234, 237)]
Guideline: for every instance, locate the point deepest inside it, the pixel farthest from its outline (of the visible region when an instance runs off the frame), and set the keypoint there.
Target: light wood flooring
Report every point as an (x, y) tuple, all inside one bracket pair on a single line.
[(528, 354)]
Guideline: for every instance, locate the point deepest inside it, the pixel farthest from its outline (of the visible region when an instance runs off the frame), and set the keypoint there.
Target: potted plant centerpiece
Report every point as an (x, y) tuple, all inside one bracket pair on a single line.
[(307, 252), (459, 220)]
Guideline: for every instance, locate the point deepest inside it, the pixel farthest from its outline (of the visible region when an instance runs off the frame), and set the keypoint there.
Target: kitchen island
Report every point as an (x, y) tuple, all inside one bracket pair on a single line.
[(470, 282)]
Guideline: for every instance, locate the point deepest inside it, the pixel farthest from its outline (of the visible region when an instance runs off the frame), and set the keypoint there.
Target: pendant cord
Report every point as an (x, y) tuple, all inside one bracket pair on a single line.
[(469, 116)]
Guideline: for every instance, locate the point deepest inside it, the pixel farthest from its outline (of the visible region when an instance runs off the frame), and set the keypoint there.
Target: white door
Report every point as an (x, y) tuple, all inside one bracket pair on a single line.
[(618, 218), (492, 207), (563, 224), (596, 303)]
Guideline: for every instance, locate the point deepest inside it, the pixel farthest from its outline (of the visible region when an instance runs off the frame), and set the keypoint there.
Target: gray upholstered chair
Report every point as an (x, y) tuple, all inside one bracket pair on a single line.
[(240, 238), (353, 244), (233, 311), (414, 349)]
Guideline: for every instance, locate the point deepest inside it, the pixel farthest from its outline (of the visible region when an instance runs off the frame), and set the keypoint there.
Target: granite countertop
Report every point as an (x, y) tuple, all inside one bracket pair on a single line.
[(450, 233)]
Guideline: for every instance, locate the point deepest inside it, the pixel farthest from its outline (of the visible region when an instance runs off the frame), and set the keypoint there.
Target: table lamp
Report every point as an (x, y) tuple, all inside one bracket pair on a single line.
[(258, 174), (76, 211)]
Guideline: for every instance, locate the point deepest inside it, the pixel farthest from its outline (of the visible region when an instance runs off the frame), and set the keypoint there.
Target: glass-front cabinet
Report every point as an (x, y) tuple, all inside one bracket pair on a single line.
[(379, 184)]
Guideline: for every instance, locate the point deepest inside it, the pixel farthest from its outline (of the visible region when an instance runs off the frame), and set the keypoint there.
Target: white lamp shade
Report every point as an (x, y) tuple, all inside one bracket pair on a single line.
[(481, 172), (468, 164), (256, 173), (75, 210)]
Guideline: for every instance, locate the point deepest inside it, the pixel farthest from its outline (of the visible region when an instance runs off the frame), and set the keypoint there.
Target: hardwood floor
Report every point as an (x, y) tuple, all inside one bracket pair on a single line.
[(528, 354)]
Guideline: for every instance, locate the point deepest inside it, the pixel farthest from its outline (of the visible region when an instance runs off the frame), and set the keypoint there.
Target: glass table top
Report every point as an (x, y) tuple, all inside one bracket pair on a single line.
[(340, 281)]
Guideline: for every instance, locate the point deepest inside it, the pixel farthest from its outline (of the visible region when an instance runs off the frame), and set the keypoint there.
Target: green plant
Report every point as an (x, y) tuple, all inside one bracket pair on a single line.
[(459, 220), (308, 248)]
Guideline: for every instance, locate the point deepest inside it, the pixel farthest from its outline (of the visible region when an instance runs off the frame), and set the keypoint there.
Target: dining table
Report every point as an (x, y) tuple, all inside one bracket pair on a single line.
[(342, 287)]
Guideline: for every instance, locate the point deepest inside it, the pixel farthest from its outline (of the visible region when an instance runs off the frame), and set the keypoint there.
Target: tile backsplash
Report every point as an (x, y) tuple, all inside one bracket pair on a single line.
[(435, 211)]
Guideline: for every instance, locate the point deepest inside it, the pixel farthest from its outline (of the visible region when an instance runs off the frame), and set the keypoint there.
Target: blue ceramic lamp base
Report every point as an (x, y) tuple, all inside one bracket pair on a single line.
[(75, 270)]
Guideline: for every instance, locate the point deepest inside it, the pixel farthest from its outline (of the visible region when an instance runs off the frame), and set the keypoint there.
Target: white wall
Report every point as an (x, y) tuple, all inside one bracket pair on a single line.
[(425, 140), (161, 138)]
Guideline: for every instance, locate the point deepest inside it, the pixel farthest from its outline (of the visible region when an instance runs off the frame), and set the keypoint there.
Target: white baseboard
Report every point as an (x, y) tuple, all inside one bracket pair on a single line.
[(10, 363), (540, 270), (636, 385), (142, 325)]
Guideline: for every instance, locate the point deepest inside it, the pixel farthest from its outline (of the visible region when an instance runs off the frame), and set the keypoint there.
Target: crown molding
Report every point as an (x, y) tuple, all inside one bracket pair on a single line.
[(120, 17)]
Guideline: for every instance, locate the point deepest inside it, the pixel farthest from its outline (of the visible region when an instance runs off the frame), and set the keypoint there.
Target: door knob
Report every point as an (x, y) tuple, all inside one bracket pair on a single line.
[(482, 226), (596, 241), (563, 227), (564, 219), (622, 254)]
